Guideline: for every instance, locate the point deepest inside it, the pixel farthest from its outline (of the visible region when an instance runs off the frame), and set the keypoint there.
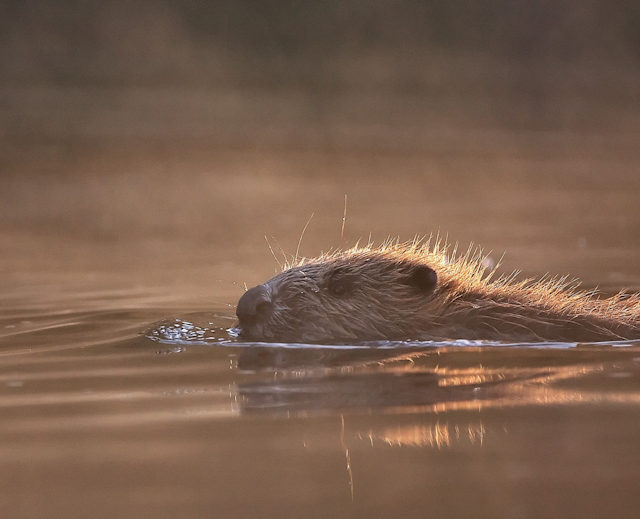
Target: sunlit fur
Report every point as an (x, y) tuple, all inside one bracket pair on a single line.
[(466, 303)]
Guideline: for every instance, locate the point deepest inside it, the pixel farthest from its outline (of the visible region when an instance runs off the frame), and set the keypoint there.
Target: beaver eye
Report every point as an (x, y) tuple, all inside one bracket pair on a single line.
[(340, 287), (337, 289)]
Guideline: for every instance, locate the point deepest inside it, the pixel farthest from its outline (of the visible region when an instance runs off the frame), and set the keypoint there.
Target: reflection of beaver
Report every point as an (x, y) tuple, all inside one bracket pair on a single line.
[(412, 291)]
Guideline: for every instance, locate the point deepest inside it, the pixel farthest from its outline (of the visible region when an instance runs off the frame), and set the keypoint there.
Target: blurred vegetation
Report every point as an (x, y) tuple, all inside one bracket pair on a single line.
[(294, 40), (521, 28)]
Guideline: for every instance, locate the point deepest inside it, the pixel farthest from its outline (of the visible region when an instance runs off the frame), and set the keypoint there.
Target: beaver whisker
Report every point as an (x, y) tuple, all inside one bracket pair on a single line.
[(274, 254)]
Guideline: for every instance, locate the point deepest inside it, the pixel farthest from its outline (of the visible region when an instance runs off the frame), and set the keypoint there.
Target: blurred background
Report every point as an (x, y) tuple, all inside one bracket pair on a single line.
[(147, 149), (159, 142)]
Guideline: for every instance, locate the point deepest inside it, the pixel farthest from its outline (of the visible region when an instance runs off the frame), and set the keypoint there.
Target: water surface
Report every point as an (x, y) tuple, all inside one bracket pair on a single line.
[(122, 403), (112, 406)]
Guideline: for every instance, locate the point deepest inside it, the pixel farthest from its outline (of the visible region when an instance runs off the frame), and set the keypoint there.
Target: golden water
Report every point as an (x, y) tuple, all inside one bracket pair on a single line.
[(104, 242)]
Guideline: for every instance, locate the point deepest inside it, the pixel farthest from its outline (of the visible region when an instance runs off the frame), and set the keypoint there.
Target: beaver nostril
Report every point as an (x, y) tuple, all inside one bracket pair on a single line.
[(254, 306)]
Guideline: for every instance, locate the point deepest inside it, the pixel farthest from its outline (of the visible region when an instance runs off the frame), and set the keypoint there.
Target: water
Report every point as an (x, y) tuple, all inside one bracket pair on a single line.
[(110, 413), (112, 406)]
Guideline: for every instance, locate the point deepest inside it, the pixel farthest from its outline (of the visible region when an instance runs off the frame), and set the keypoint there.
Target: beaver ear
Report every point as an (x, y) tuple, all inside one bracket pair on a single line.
[(423, 278)]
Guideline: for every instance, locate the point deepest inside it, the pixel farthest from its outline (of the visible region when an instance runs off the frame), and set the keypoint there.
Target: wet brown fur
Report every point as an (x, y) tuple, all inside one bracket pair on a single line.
[(383, 301)]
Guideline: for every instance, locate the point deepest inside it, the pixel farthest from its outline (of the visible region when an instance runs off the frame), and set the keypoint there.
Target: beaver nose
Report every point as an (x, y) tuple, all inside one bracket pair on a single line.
[(254, 306)]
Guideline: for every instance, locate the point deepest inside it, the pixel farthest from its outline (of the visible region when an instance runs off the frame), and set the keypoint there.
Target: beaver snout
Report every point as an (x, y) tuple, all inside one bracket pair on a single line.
[(254, 306)]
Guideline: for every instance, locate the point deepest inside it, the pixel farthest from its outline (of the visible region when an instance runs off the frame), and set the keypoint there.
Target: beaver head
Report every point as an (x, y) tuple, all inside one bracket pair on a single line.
[(357, 295)]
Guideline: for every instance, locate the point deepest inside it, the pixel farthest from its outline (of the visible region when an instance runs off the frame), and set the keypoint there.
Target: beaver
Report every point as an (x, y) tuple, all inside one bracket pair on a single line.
[(414, 291)]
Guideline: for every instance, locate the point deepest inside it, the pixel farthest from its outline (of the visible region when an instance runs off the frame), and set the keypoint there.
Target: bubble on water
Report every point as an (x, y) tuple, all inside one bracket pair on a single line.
[(179, 331), (171, 351)]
